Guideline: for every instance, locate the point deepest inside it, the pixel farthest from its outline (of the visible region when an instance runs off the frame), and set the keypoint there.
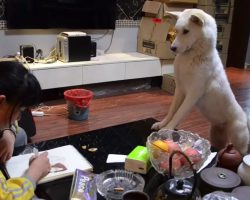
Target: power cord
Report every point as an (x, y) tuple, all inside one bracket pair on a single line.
[(112, 36), (44, 110)]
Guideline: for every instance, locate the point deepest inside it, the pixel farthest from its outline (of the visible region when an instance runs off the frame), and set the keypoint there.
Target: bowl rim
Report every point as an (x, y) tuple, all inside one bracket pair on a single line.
[(149, 143), (99, 178)]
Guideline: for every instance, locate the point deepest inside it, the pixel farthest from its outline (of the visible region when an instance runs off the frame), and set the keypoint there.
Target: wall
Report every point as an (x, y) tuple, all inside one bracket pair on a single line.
[(124, 40)]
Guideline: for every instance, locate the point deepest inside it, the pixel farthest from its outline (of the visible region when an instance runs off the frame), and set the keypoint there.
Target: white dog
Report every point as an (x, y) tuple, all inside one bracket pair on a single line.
[(201, 81)]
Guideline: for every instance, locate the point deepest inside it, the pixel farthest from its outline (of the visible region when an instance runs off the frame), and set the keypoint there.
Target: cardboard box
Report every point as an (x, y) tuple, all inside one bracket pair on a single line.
[(178, 5), (168, 83), (153, 35), (178, 1)]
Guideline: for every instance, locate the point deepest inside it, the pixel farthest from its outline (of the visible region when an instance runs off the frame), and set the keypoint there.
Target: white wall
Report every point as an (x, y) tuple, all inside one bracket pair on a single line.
[(124, 40)]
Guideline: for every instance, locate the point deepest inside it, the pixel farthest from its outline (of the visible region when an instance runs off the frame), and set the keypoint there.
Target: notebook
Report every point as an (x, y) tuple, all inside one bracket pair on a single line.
[(67, 155)]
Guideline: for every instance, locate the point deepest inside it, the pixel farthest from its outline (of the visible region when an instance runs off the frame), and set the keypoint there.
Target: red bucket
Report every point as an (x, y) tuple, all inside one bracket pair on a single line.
[(78, 103), (79, 97)]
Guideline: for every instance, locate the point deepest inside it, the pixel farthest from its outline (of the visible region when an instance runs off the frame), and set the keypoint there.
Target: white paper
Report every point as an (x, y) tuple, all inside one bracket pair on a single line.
[(67, 155), (116, 158), (208, 161)]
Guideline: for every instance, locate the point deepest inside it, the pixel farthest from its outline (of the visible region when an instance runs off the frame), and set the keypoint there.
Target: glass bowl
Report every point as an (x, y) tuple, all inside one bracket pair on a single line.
[(163, 143), (113, 183)]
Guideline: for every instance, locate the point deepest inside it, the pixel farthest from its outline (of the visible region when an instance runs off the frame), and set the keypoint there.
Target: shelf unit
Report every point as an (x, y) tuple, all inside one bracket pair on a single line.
[(105, 68)]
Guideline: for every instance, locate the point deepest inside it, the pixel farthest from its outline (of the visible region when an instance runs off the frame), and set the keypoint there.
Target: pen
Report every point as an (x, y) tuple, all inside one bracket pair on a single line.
[(4, 170), (36, 154), (35, 151)]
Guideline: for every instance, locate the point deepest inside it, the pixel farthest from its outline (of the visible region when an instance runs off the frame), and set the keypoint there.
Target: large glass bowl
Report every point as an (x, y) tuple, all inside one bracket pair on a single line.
[(163, 143), (113, 183)]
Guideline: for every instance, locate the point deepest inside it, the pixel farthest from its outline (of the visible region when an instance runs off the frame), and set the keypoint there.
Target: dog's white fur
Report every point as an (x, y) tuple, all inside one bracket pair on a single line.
[(201, 81)]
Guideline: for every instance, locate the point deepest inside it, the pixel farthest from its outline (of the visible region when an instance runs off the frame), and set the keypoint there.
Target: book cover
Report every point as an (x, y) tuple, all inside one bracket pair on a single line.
[(83, 186), (64, 161)]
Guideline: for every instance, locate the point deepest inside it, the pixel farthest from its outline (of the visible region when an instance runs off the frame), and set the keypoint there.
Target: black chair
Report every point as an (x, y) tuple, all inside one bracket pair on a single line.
[(27, 123)]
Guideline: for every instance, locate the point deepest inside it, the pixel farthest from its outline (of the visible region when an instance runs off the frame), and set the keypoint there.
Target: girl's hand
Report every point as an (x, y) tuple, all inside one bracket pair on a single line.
[(39, 166)]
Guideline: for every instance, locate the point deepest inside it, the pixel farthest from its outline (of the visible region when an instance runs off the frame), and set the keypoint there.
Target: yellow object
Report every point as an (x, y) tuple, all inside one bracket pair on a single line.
[(161, 145), (20, 188)]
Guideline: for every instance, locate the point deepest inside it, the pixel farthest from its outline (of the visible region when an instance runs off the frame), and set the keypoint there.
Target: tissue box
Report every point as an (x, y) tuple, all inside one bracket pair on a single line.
[(138, 160)]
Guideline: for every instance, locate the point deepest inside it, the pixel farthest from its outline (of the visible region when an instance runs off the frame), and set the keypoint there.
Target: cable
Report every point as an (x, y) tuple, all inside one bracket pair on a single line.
[(105, 51), (98, 38), (44, 110), (51, 58), (2, 8)]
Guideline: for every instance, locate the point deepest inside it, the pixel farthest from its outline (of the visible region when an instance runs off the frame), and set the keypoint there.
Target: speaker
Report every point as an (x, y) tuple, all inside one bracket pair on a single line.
[(28, 52), (73, 48), (93, 49)]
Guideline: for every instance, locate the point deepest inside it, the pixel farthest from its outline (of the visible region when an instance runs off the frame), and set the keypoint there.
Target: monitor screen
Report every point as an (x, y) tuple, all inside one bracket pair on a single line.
[(71, 14)]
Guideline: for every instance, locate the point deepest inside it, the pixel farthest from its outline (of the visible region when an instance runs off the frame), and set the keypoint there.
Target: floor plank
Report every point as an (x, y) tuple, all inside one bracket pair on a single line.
[(109, 111)]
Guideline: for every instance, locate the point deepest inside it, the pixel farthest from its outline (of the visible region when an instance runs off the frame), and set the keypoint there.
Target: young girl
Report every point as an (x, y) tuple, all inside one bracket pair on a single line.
[(19, 89)]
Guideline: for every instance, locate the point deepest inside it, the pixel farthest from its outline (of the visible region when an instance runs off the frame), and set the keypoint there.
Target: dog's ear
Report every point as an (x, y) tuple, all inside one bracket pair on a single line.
[(197, 19)]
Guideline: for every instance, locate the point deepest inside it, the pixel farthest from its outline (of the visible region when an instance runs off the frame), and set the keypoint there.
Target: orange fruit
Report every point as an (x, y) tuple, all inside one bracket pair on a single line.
[(161, 145)]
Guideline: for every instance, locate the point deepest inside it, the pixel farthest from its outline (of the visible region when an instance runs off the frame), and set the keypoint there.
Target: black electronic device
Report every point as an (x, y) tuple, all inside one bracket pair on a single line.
[(72, 14), (28, 52), (93, 49), (73, 46)]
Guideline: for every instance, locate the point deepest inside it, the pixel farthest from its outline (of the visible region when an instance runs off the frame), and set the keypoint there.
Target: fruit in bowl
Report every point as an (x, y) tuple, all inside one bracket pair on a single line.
[(163, 143)]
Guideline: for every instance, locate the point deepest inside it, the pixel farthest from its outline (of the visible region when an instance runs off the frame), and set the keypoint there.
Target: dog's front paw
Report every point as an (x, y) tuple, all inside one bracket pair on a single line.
[(168, 127), (156, 126)]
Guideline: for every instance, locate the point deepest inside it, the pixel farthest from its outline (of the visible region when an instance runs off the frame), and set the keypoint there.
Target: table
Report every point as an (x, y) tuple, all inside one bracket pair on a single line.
[(121, 139)]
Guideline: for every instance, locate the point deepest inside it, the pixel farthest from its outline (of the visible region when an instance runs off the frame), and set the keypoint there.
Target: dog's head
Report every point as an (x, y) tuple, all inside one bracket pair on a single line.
[(195, 30)]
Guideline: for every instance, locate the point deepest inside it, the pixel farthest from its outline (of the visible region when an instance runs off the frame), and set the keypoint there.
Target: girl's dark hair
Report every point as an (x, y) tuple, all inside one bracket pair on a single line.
[(18, 85)]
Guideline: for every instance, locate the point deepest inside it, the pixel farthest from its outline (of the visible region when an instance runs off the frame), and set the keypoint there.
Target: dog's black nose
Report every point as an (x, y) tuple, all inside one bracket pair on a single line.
[(173, 48)]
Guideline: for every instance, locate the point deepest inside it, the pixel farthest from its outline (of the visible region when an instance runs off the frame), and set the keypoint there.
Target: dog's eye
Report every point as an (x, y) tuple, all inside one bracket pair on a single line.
[(185, 31)]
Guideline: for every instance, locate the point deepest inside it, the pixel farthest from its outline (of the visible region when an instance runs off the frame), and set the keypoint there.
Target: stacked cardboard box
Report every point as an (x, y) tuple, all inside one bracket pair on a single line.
[(168, 83), (222, 11), (153, 31), (154, 35)]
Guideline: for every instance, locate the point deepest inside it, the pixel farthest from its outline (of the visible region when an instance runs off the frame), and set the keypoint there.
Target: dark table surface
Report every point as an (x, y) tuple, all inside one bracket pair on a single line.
[(121, 139)]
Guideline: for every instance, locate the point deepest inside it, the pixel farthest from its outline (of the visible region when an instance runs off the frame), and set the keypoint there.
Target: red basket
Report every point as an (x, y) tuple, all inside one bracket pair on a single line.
[(79, 97)]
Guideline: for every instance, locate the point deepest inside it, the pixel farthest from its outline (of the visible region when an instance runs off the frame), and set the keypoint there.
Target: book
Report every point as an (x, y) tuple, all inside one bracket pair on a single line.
[(64, 161)]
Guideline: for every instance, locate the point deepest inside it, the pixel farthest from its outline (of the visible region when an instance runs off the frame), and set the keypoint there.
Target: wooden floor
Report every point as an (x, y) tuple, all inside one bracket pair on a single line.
[(109, 111)]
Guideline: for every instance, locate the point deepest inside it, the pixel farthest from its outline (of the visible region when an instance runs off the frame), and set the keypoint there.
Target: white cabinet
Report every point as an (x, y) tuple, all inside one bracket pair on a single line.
[(103, 73), (59, 77), (105, 68), (143, 69)]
